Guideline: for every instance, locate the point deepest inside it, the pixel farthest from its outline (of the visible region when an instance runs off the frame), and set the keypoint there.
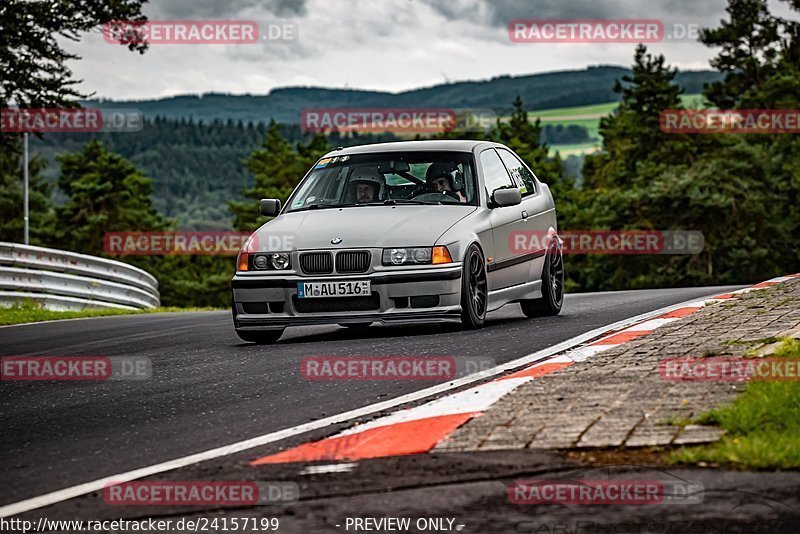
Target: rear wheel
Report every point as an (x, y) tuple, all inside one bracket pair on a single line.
[(552, 285), (473, 288), (261, 337)]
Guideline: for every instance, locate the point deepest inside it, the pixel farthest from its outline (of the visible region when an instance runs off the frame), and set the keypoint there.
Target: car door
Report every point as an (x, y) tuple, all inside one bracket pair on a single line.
[(506, 269), (536, 211)]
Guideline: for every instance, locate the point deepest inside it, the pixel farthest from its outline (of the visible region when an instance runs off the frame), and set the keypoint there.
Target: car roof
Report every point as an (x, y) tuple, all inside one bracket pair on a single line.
[(455, 145)]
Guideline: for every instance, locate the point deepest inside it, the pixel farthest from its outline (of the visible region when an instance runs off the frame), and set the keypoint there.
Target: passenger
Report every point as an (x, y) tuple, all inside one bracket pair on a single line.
[(445, 178)]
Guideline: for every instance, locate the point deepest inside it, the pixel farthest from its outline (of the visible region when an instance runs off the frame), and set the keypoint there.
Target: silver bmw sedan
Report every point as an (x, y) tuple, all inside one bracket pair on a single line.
[(408, 232)]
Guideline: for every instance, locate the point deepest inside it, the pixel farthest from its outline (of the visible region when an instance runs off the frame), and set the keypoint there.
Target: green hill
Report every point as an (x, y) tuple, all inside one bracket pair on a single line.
[(538, 91)]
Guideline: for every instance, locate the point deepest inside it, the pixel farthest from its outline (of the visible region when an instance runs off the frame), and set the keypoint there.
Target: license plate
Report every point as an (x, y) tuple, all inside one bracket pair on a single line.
[(353, 288)]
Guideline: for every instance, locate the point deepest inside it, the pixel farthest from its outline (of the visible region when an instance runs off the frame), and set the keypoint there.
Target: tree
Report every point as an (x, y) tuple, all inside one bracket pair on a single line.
[(11, 211), (730, 196), (277, 168), (632, 135), (35, 74), (740, 191), (750, 43), (105, 193), (32, 60), (760, 56)]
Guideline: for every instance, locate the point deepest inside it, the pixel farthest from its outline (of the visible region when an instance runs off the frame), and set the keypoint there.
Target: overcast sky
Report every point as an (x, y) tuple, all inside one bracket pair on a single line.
[(389, 45)]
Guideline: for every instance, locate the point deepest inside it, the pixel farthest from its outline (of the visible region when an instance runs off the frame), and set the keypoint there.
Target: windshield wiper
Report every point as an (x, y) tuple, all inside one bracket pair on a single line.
[(387, 202), (322, 207), (393, 201)]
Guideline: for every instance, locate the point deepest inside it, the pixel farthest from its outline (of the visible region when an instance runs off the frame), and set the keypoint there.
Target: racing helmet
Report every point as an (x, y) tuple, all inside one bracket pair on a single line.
[(446, 169), (366, 175)]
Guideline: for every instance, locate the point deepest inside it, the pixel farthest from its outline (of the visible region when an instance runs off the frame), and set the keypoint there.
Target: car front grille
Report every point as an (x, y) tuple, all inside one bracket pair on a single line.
[(336, 304), (316, 262), (356, 261)]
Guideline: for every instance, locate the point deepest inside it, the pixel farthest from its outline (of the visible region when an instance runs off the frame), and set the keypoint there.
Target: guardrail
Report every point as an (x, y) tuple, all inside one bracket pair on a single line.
[(67, 280)]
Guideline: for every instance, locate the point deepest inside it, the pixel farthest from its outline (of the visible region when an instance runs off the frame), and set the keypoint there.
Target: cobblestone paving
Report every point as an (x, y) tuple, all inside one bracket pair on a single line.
[(618, 397)]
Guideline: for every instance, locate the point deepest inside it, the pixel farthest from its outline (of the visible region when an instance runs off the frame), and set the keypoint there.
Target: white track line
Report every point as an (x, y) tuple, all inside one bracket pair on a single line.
[(652, 324), (97, 485), (582, 353)]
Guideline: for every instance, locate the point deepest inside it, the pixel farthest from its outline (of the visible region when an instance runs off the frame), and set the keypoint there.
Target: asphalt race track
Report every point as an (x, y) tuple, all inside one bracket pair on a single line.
[(208, 389)]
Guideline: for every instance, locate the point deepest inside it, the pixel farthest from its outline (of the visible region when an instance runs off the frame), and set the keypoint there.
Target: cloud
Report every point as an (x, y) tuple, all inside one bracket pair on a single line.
[(389, 45), (499, 13), (211, 9)]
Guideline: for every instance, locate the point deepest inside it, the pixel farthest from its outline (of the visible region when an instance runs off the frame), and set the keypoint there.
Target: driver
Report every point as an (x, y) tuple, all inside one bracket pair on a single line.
[(444, 177), (369, 185)]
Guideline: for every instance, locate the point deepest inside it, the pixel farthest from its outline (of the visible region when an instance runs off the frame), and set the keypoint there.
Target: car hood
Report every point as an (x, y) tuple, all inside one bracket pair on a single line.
[(363, 226)]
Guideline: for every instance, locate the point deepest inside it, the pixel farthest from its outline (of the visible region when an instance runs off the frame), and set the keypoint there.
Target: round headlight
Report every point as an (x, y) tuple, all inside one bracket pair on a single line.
[(260, 261), (422, 255), (398, 256), (280, 261)]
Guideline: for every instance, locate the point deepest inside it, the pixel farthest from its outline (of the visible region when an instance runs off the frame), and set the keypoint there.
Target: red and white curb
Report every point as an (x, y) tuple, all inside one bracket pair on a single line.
[(419, 429)]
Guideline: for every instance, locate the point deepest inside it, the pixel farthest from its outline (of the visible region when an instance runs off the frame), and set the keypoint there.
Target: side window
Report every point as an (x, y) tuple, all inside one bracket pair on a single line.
[(494, 173), (519, 173)]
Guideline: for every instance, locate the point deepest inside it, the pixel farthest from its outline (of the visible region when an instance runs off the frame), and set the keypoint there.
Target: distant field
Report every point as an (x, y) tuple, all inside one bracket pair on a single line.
[(589, 118), (574, 150), (597, 110)]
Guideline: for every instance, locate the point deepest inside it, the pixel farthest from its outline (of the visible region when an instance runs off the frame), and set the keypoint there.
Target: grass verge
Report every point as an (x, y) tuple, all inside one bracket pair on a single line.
[(762, 425), (30, 312)]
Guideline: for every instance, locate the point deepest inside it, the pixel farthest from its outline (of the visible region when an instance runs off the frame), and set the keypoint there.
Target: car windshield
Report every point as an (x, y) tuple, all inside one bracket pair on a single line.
[(392, 178)]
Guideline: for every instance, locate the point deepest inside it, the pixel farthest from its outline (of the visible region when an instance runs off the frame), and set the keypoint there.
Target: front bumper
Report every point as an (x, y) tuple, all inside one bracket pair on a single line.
[(408, 296)]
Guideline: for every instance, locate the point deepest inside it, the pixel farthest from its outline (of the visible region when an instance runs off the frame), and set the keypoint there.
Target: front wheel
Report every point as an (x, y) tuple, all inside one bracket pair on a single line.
[(474, 294), (552, 285), (260, 337)]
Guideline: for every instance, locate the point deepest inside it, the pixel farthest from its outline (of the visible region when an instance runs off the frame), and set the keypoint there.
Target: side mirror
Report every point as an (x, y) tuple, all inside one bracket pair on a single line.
[(269, 207), (507, 197)]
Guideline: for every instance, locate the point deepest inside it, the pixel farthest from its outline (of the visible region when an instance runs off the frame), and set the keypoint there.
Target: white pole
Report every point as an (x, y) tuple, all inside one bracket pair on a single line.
[(25, 188)]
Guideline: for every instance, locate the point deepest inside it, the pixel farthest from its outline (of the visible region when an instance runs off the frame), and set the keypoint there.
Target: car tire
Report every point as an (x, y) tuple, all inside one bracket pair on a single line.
[(474, 288), (552, 285), (260, 337)]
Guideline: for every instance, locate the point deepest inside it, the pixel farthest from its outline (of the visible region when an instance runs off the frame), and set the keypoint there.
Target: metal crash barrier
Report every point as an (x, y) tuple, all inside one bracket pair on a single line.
[(61, 280)]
